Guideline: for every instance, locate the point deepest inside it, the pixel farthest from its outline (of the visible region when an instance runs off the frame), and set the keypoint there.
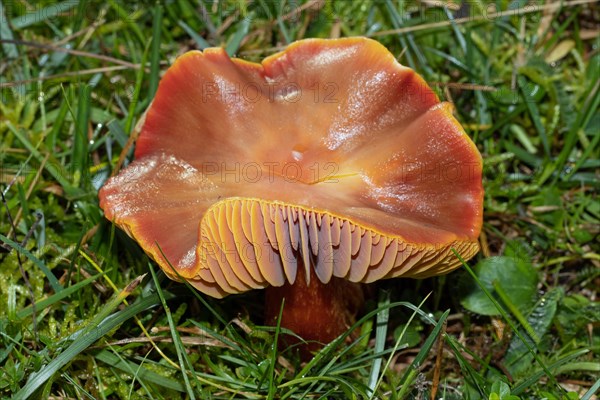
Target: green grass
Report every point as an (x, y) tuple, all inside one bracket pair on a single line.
[(75, 77)]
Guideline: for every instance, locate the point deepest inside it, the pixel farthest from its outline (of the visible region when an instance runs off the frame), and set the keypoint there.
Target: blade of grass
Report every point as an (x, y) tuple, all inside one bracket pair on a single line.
[(533, 378), (505, 316), (136, 93), (456, 30), (116, 361), (315, 379), (466, 368), (223, 339), (397, 344), (327, 353), (202, 44), (584, 115), (380, 339), (135, 371), (330, 367), (523, 155), (53, 166), (515, 311), (539, 319), (534, 113), (78, 387), (281, 23), (523, 138), (413, 368), (81, 7), (56, 126), (42, 14), (56, 286), (49, 301), (592, 104), (273, 360), (557, 34), (179, 348), (397, 23), (593, 390), (128, 20), (117, 132), (195, 292), (79, 158), (100, 325), (234, 44), (155, 50), (10, 49)]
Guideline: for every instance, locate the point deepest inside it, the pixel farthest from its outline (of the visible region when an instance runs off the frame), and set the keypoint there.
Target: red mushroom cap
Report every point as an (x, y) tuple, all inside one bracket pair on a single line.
[(329, 152)]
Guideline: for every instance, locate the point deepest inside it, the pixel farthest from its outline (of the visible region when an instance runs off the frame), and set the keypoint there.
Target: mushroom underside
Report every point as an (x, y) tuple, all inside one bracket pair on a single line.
[(326, 166)]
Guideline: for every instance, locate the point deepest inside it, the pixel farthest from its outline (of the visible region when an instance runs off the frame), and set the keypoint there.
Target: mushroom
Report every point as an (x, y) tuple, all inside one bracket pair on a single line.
[(326, 166)]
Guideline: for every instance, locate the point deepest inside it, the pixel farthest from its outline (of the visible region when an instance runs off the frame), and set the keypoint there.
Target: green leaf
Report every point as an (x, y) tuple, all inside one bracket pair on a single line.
[(518, 358), (501, 391), (411, 334), (575, 312), (517, 278)]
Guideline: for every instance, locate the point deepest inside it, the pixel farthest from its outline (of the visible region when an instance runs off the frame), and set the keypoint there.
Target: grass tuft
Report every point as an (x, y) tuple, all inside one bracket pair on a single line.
[(76, 76)]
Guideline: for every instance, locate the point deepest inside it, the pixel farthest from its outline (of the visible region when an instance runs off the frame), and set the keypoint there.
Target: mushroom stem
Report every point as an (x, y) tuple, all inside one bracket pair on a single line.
[(315, 311)]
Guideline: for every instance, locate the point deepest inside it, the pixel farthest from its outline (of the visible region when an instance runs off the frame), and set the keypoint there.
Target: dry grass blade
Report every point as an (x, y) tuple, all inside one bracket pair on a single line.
[(489, 17)]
